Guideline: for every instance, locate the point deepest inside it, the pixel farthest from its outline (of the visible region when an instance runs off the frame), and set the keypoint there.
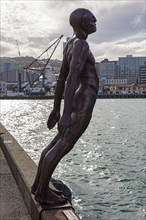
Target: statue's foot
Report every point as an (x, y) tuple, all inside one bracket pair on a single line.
[(34, 189), (57, 192), (55, 189), (50, 198)]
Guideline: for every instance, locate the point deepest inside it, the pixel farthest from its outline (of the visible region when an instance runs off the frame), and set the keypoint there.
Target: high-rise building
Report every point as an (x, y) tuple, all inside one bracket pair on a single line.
[(108, 69), (142, 72), (129, 67)]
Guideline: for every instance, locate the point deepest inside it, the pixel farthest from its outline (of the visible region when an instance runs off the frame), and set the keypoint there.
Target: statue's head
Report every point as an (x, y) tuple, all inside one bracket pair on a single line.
[(82, 18)]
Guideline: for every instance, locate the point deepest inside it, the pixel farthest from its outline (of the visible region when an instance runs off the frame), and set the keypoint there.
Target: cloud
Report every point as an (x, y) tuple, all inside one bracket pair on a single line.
[(137, 20), (119, 22), (4, 49), (35, 24), (113, 50)]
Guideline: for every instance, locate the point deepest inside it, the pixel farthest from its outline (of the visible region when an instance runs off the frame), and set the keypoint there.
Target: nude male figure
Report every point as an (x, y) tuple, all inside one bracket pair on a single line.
[(82, 83)]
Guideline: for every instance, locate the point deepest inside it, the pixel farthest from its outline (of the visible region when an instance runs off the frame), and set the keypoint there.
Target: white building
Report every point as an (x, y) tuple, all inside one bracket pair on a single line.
[(116, 81)]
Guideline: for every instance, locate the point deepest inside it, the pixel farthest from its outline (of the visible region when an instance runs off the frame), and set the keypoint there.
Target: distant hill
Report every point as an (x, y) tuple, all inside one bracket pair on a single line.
[(25, 61)]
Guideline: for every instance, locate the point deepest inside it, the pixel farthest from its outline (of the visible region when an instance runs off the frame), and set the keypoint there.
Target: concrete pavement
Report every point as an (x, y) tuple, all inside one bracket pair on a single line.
[(19, 178), (12, 206)]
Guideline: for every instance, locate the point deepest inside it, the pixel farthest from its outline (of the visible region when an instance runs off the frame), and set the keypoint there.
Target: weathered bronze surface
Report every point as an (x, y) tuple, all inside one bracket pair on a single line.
[(79, 73)]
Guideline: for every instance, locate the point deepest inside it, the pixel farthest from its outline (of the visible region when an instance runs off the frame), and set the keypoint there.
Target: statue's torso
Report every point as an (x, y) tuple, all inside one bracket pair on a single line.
[(89, 76)]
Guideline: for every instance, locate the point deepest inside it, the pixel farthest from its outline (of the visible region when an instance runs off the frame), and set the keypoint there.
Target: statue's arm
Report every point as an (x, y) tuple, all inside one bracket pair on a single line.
[(55, 114), (60, 87), (78, 60)]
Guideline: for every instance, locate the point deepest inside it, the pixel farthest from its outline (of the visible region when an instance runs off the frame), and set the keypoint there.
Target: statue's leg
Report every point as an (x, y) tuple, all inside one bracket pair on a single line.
[(44, 194), (80, 122), (39, 170)]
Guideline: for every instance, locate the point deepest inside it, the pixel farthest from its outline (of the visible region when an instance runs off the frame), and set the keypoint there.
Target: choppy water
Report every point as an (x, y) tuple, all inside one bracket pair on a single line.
[(106, 168)]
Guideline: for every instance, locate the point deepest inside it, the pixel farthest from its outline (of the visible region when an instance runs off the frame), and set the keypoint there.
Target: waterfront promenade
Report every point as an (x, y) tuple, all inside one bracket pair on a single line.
[(17, 173), (12, 205)]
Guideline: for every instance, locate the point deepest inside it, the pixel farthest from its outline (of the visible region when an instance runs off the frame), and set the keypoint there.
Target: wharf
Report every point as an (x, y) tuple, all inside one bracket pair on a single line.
[(99, 96), (12, 205), (17, 172)]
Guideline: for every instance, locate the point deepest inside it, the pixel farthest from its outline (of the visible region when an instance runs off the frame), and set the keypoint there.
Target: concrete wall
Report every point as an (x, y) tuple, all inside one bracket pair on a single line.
[(24, 171)]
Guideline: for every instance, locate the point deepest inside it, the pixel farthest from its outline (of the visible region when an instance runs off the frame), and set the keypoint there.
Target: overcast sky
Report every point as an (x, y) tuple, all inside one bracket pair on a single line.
[(35, 24)]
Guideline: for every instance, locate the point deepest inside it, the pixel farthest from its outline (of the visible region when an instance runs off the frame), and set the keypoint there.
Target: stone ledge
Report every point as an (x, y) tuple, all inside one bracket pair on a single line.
[(24, 170)]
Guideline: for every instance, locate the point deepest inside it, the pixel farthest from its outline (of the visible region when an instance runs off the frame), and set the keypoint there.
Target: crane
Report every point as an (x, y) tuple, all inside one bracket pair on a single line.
[(41, 72)]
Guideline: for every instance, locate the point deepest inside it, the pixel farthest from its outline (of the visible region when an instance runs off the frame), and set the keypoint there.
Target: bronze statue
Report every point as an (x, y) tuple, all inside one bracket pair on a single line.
[(82, 83)]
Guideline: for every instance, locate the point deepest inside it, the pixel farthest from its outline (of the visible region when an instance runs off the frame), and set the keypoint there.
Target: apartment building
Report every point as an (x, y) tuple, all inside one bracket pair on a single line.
[(109, 69), (142, 72), (129, 67)]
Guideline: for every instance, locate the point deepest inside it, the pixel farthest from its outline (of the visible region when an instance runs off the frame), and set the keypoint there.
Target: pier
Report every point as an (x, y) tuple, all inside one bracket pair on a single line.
[(17, 172)]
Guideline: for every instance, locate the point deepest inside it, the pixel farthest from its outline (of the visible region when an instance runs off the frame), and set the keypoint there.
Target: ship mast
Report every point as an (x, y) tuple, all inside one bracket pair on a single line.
[(19, 74), (18, 48)]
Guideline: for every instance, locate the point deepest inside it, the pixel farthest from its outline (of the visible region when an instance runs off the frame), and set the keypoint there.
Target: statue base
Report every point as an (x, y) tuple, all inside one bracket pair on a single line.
[(57, 185)]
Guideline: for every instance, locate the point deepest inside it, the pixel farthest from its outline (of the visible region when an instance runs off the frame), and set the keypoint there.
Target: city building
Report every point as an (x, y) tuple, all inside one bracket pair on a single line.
[(12, 68), (125, 89), (131, 89), (142, 73), (7, 70), (116, 81), (129, 68), (108, 69), (3, 87)]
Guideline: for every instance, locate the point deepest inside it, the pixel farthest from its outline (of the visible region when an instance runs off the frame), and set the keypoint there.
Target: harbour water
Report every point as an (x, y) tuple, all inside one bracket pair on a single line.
[(106, 168)]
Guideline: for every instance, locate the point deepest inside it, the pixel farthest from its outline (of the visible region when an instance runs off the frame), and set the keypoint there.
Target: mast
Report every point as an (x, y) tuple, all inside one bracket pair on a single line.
[(18, 48), (19, 74)]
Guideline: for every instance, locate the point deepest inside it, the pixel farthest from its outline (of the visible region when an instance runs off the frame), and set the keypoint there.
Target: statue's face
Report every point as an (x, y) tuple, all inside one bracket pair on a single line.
[(89, 22)]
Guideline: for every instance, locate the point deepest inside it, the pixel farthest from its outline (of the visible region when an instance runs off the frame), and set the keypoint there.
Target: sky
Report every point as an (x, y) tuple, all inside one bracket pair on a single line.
[(36, 24)]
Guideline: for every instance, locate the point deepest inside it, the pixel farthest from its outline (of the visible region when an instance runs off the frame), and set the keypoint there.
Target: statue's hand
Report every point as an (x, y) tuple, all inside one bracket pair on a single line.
[(53, 119), (63, 124)]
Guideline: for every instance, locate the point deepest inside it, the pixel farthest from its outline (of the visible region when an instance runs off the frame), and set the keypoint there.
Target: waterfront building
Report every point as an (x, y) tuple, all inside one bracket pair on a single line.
[(3, 87), (7, 70), (109, 69), (142, 72), (10, 68), (129, 67), (128, 89), (116, 81), (132, 89), (101, 87)]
